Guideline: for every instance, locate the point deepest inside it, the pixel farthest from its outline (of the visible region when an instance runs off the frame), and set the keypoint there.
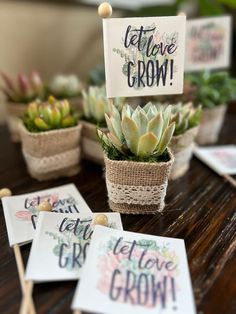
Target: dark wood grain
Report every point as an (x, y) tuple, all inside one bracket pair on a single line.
[(200, 208)]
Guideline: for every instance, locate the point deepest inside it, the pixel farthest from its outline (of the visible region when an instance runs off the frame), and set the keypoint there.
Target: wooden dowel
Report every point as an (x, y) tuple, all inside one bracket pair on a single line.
[(230, 179), (25, 304), (77, 312), (21, 272)]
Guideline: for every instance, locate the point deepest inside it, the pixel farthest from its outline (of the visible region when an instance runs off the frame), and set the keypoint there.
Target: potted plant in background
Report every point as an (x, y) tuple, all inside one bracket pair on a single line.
[(18, 95), (187, 120), (213, 91), (50, 139), (137, 160), (67, 87), (95, 106)]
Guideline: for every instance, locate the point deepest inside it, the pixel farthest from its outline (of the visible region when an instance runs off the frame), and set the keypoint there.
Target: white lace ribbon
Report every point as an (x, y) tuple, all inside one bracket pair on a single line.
[(52, 163), (132, 194)]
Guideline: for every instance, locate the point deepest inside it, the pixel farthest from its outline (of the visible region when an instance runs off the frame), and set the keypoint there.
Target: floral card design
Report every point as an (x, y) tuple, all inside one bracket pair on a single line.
[(208, 42), (21, 212), (127, 272), (144, 56), (62, 243), (222, 159)]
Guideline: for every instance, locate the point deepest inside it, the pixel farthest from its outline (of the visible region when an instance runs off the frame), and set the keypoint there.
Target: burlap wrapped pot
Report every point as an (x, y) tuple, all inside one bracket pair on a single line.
[(51, 154), (14, 112), (182, 148), (211, 124), (90, 145), (137, 187)]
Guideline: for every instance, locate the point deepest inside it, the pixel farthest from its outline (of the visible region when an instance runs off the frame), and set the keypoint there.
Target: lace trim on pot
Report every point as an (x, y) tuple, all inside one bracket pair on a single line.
[(131, 194), (53, 163)]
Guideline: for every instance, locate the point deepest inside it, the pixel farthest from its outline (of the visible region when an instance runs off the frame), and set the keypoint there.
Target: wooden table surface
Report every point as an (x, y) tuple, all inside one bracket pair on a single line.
[(200, 208)]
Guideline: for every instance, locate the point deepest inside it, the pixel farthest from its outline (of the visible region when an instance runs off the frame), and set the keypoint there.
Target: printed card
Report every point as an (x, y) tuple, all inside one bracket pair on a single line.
[(222, 159), (21, 211), (208, 42), (61, 242), (133, 273), (144, 56)]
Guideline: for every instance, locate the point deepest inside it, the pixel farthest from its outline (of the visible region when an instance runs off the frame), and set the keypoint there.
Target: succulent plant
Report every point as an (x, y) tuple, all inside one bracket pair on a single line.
[(96, 105), (50, 115), (212, 89), (25, 89), (141, 134), (62, 86), (185, 116)]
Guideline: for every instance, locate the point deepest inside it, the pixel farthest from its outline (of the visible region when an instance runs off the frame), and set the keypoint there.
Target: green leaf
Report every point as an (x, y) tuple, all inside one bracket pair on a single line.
[(166, 137), (147, 144), (131, 133)]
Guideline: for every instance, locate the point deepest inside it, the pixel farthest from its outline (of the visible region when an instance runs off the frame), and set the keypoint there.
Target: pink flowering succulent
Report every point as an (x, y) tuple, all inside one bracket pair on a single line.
[(24, 89)]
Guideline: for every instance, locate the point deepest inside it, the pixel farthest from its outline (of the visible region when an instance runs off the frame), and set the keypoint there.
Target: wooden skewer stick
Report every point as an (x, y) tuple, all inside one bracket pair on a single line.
[(27, 297), (230, 179), (21, 272)]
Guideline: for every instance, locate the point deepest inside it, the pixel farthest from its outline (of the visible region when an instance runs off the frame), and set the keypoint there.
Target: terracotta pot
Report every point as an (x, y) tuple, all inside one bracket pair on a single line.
[(182, 148), (137, 187), (52, 154), (91, 147), (211, 124)]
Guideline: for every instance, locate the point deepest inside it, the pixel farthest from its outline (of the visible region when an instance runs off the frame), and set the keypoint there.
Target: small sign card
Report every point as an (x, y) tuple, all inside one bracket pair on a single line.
[(222, 159), (144, 56), (133, 273), (208, 42), (60, 245), (21, 211)]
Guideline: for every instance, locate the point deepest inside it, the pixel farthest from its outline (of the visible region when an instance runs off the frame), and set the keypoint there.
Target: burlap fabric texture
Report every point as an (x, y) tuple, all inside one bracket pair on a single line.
[(211, 124), (182, 148), (52, 154), (137, 187), (91, 147), (14, 112)]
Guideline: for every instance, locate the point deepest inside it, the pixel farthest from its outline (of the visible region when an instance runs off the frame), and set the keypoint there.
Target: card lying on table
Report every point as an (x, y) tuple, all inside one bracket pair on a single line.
[(127, 272), (21, 211), (60, 245), (222, 159)]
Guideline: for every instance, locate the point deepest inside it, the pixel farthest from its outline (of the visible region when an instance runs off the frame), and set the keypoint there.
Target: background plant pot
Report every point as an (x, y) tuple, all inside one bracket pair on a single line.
[(211, 124), (182, 148), (52, 154), (14, 112), (137, 187), (91, 147)]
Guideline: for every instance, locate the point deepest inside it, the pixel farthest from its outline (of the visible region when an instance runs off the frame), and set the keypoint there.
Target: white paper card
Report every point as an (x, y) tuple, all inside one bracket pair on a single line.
[(60, 245), (21, 213), (133, 273), (222, 159), (144, 56), (208, 43)]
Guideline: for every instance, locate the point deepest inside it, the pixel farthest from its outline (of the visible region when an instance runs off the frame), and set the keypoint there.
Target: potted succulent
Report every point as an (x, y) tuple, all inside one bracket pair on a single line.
[(187, 120), (18, 95), (67, 87), (50, 139), (213, 91), (137, 160), (95, 106)]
